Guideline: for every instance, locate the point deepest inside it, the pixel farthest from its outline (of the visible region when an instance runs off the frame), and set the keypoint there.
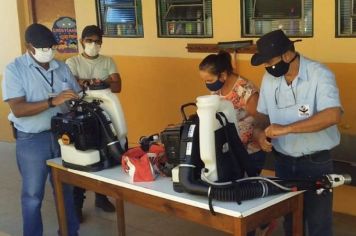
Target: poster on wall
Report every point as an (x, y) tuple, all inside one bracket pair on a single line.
[(65, 32)]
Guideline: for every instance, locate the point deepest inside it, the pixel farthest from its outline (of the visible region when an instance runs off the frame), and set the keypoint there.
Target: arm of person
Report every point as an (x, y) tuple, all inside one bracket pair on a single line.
[(319, 121), (21, 108), (73, 65), (261, 121), (114, 80), (251, 105)]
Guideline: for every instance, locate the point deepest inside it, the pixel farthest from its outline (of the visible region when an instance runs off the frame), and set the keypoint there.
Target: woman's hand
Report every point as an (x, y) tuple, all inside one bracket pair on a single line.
[(263, 141)]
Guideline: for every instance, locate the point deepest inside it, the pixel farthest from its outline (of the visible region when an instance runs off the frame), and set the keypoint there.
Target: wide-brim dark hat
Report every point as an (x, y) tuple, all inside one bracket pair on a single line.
[(271, 45), (40, 36)]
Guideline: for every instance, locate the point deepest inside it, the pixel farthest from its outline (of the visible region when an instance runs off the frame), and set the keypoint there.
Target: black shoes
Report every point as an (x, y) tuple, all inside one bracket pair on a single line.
[(104, 203), (101, 202)]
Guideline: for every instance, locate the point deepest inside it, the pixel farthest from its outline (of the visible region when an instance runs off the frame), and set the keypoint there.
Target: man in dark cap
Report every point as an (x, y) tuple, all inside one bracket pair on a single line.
[(33, 87), (90, 67), (298, 110)]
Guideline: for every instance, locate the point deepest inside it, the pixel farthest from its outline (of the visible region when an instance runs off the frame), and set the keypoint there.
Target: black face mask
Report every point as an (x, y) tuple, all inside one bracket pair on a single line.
[(281, 68), (217, 85)]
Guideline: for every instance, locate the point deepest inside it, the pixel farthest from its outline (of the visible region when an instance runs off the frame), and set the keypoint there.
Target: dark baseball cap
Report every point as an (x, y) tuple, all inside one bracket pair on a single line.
[(91, 30), (270, 45), (40, 36)]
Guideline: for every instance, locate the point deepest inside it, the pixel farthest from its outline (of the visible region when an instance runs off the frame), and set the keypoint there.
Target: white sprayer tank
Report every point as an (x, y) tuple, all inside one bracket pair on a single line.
[(112, 106), (208, 106)]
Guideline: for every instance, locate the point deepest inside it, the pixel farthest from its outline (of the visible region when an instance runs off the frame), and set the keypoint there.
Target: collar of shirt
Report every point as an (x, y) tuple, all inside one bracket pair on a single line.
[(302, 74), (31, 62)]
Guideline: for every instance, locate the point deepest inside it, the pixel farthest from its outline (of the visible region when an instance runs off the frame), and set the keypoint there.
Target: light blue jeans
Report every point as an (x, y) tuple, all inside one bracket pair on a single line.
[(32, 152)]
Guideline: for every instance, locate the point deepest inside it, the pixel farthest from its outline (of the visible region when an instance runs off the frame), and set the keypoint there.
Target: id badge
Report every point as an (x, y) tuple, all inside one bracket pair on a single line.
[(304, 111), (52, 95)]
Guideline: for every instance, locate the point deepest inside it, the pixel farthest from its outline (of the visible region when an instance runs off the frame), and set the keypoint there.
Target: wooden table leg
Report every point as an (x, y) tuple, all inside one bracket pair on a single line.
[(298, 217), (120, 213), (240, 227), (59, 199)]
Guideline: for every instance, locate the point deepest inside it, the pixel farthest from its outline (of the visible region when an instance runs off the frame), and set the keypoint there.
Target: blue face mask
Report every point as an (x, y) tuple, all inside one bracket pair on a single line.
[(217, 85)]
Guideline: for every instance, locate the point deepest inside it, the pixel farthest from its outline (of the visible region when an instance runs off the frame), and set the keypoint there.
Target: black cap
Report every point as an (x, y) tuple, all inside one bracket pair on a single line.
[(91, 30), (270, 45), (39, 36)]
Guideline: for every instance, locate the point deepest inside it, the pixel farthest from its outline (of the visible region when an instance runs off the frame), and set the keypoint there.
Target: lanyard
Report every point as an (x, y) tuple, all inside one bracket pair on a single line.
[(44, 77)]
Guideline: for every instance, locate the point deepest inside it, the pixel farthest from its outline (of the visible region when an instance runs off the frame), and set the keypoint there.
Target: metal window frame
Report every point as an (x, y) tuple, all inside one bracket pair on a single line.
[(101, 22)]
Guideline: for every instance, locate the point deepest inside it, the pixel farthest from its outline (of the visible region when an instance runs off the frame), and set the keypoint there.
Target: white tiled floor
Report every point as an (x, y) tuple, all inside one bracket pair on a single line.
[(139, 221)]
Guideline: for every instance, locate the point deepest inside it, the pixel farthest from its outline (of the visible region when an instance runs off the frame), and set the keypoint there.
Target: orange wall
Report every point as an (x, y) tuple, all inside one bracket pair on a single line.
[(155, 88), (153, 91)]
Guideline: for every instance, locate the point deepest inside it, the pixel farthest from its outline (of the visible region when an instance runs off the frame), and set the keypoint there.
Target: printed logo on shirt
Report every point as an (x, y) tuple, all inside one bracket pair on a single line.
[(304, 111)]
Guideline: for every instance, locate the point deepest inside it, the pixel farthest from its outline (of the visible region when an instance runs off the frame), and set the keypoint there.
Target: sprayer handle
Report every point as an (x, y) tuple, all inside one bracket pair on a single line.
[(183, 107)]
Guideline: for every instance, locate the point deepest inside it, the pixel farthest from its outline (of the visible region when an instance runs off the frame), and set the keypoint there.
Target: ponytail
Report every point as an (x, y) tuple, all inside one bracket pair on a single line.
[(217, 63)]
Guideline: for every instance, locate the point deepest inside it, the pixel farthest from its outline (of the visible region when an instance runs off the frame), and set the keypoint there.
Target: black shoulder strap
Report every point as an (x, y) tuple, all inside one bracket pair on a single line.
[(219, 116)]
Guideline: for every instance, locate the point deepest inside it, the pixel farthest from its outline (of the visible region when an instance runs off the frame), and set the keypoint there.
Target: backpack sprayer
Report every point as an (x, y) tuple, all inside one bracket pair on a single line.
[(92, 135), (212, 159)]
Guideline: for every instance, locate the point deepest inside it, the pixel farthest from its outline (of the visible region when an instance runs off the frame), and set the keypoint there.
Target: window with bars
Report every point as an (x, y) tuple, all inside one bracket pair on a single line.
[(346, 18), (294, 17), (184, 18), (120, 18)]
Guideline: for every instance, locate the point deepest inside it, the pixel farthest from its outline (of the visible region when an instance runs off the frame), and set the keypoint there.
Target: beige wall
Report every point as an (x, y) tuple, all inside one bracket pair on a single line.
[(11, 48), (226, 26), (10, 35)]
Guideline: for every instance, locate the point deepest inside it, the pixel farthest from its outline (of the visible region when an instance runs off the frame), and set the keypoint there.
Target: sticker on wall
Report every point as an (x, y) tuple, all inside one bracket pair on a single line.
[(65, 32)]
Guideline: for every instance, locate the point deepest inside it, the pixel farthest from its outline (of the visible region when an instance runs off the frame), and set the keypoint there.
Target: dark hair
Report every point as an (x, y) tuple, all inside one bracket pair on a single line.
[(217, 63), (91, 30)]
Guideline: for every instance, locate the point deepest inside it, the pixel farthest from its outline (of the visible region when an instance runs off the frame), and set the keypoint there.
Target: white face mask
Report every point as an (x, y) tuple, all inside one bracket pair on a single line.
[(43, 56), (91, 49)]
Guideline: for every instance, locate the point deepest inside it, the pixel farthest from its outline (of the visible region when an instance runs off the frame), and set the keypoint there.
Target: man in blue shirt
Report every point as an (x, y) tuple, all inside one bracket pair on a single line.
[(36, 88), (299, 108)]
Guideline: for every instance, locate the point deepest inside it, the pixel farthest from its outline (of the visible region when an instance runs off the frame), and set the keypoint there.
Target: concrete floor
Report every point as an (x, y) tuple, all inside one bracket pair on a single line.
[(139, 221)]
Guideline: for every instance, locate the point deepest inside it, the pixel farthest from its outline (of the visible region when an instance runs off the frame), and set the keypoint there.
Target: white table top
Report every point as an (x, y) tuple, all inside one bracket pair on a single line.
[(163, 187)]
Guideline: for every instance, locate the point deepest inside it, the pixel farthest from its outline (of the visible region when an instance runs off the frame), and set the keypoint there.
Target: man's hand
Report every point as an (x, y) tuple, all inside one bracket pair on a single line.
[(85, 83), (64, 96), (276, 130)]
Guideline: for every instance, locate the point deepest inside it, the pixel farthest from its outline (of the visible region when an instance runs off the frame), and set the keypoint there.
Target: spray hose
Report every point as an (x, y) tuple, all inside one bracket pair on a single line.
[(252, 187)]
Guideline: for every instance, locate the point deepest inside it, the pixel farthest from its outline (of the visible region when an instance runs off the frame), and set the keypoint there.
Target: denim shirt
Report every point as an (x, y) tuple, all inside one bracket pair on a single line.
[(313, 90), (25, 78)]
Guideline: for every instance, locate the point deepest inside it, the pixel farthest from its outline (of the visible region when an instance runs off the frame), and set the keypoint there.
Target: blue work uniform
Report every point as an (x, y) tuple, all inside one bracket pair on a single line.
[(25, 78), (304, 155)]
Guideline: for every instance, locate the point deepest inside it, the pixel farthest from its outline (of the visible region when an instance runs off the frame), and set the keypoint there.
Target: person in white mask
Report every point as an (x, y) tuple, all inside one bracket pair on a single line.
[(33, 86), (90, 68)]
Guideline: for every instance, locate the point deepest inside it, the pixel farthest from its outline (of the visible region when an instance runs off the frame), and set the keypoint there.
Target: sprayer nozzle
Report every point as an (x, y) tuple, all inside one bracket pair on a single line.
[(336, 180)]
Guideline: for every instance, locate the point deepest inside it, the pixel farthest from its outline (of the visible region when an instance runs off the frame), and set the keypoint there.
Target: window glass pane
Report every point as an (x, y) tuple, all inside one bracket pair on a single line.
[(184, 18), (346, 17), (294, 17), (120, 18), (120, 15)]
